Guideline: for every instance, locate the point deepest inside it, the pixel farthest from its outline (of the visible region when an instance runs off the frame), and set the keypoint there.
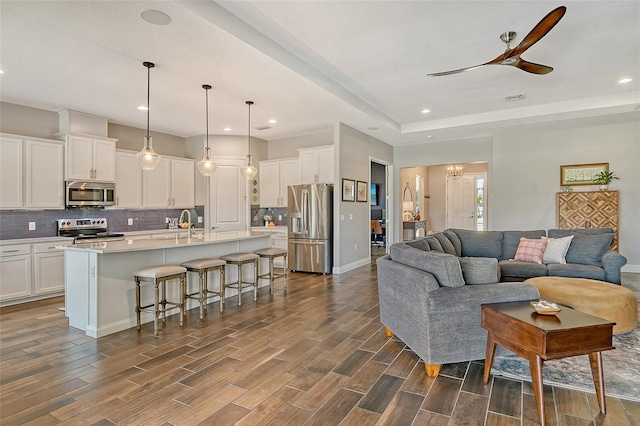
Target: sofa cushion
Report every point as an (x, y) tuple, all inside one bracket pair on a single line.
[(444, 267), (511, 240), (446, 244), (480, 243), (420, 244), (453, 237), (512, 270), (556, 249), (530, 250), (575, 270), (434, 244), (588, 249), (480, 270)]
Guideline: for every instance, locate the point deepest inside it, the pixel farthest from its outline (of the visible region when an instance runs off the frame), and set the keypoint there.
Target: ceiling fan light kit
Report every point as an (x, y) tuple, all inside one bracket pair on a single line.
[(511, 56)]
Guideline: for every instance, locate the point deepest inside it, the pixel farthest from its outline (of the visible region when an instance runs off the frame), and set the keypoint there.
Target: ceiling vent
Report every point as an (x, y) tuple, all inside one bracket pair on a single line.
[(265, 127), (514, 98)]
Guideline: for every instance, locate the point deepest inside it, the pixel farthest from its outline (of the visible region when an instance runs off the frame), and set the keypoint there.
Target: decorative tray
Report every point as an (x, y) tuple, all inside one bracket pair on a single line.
[(546, 308)]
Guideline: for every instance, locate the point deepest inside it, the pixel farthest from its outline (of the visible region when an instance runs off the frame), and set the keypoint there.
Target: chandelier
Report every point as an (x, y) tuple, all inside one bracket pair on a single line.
[(454, 171)]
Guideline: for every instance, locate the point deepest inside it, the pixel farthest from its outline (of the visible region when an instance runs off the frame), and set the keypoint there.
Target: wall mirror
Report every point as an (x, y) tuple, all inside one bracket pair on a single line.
[(407, 195)]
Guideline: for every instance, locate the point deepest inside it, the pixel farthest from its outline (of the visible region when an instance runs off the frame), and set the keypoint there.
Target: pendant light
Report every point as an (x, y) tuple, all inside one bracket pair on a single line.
[(147, 158), (206, 166), (249, 171)]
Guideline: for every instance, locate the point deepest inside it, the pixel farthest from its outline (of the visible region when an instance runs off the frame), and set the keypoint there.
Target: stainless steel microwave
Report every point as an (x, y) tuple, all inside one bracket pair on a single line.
[(90, 194)]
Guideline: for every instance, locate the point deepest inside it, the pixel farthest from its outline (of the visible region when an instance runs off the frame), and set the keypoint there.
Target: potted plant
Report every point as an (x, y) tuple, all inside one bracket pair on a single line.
[(604, 178)]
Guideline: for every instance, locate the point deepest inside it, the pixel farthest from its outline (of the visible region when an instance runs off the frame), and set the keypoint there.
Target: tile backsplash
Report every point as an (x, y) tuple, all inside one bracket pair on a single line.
[(278, 215), (14, 224)]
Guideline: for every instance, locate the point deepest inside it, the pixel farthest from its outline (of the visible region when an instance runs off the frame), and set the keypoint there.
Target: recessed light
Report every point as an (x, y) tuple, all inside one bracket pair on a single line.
[(155, 17), (429, 136), (425, 111), (272, 121), (1, 71), (625, 80), (143, 108), (228, 129)]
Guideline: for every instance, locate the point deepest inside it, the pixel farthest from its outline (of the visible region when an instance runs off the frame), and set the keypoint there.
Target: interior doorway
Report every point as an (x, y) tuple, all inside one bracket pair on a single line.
[(466, 202), (379, 177)]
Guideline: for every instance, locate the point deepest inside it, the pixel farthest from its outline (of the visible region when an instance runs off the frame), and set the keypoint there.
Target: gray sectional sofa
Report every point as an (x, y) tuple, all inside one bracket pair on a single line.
[(431, 289)]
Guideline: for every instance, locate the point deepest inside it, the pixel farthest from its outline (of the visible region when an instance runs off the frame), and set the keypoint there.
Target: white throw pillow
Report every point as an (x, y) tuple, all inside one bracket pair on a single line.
[(556, 249)]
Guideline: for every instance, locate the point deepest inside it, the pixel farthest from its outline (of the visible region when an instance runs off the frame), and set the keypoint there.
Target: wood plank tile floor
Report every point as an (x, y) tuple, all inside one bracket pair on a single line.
[(315, 356)]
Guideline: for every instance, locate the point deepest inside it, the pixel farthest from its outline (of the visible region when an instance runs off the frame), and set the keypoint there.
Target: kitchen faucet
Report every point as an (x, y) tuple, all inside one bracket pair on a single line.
[(188, 218)]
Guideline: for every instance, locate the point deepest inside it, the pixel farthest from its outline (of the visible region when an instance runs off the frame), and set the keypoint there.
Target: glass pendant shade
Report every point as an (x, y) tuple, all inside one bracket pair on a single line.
[(147, 158), (249, 171), (206, 166)]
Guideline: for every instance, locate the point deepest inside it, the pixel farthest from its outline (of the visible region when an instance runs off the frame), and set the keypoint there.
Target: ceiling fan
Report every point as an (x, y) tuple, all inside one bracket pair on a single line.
[(511, 56)]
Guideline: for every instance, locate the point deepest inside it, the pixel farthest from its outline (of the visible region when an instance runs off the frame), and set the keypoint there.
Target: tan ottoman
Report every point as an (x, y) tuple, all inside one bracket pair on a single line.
[(598, 298)]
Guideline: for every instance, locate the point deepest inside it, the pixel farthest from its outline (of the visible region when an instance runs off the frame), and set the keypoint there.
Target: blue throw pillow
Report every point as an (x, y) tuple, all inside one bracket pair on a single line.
[(588, 249)]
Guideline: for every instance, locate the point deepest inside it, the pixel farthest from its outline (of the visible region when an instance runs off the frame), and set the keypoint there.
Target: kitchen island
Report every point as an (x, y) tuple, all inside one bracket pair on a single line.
[(99, 287)]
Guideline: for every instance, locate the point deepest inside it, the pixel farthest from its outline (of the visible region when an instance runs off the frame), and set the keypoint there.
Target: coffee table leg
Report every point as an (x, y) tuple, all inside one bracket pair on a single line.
[(535, 365), (595, 359), (488, 361)]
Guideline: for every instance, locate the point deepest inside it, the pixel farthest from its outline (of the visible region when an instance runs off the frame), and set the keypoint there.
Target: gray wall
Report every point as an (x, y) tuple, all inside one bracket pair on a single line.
[(22, 120), (351, 219), (288, 147), (524, 170)]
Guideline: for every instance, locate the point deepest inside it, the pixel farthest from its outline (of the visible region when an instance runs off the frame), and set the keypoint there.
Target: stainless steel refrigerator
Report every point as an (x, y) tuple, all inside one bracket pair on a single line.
[(311, 227)]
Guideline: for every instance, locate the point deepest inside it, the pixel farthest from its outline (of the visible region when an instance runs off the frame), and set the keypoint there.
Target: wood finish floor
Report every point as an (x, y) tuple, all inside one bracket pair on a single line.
[(315, 356)]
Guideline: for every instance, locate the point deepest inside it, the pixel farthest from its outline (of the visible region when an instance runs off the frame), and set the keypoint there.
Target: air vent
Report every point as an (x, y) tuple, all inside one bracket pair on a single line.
[(514, 98), (262, 127)]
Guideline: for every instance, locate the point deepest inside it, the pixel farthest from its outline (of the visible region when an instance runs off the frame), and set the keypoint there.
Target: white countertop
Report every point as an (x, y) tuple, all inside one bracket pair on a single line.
[(164, 243), (35, 240)]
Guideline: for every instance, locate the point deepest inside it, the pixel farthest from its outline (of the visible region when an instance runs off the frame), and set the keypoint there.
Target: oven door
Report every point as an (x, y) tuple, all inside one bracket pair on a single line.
[(79, 194)]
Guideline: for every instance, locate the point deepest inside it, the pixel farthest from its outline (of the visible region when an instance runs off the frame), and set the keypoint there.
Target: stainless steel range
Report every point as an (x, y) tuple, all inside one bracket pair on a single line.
[(91, 230)]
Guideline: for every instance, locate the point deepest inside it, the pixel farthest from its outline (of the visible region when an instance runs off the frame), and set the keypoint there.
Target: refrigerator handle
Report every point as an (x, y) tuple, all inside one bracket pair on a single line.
[(305, 210)]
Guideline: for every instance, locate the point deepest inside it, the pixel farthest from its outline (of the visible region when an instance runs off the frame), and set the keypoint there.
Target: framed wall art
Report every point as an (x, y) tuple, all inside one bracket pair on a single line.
[(348, 190), (581, 174), (361, 191)]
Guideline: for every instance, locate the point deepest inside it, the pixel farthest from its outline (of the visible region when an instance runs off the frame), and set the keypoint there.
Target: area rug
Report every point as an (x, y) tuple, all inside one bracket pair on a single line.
[(621, 369)]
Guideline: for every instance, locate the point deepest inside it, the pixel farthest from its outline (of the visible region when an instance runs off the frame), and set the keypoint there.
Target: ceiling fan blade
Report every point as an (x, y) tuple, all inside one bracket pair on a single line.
[(533, 68), (540, 30), (439, 74)]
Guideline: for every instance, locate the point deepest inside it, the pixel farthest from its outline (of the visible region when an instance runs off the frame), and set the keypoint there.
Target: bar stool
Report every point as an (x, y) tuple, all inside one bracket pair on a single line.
[(159, 275), (202, 267), (272, 253), (239, 260)]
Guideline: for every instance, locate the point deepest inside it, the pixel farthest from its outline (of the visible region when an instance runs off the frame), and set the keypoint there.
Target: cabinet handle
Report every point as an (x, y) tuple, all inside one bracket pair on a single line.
[(117, 201), (10, 251), (168, 201)]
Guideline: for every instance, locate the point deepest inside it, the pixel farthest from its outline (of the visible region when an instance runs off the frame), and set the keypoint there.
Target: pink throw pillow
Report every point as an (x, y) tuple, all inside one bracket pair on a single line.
[(530, 250)]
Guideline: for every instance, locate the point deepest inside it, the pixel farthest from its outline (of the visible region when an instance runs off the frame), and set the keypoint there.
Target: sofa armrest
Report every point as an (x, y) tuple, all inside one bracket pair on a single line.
[(612, 262)]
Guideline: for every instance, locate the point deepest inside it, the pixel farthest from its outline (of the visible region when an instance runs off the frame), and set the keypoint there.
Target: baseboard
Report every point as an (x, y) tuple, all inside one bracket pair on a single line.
[(631, 268), (337, 270)]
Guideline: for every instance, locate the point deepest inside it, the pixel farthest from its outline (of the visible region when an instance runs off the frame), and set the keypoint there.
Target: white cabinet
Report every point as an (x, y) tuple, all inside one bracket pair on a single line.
[(275, 177), (31, 173), (128, 180), (44, 178), (90, 158), (183, 183), (316, 164), (170, 184), (15, 271), (48, 268), (11, 173), (31, 271)]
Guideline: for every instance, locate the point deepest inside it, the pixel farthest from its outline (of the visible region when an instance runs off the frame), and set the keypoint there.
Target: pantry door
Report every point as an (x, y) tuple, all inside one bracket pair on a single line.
[(228, 197)]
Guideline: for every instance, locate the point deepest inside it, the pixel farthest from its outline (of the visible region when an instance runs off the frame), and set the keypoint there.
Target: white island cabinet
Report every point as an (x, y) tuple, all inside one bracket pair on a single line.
[(99, 287)]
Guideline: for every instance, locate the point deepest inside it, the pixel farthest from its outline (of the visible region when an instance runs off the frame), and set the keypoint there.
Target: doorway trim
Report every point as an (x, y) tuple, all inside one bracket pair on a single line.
[(389, 197)]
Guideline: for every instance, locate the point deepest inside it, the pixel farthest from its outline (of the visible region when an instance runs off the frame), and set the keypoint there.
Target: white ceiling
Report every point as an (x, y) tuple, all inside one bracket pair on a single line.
[(309, 64)]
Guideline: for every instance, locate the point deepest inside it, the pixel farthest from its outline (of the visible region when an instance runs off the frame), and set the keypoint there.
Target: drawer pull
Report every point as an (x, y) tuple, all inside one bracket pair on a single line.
[(10, 251)]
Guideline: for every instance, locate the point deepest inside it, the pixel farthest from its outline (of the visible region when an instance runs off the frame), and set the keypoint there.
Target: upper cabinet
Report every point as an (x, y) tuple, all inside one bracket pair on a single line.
[(275, 177), (90, 158), (316, 164), (128, 180), (31, 173), (170, 184)]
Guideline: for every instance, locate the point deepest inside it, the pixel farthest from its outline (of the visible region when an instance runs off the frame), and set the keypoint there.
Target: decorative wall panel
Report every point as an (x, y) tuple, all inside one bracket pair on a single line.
[(591, 209)]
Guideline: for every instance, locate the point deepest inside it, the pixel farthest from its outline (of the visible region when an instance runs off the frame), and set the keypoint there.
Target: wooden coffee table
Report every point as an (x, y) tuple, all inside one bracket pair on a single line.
[(517, 327)]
